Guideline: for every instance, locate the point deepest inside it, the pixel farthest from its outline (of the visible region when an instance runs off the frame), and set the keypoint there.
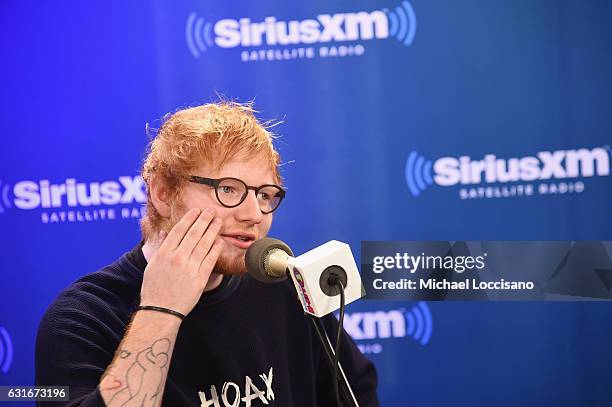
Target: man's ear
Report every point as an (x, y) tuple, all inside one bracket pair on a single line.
[(159, 197)]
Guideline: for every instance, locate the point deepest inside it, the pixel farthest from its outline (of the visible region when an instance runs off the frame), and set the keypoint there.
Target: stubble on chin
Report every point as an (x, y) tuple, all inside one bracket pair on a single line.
[(230, 266)]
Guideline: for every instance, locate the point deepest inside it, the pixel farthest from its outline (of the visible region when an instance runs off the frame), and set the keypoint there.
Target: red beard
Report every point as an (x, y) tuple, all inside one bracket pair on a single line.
[(234, 266)]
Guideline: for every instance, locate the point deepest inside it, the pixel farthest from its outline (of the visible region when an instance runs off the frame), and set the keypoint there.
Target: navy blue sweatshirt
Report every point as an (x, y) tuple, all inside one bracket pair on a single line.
[(244, 337)]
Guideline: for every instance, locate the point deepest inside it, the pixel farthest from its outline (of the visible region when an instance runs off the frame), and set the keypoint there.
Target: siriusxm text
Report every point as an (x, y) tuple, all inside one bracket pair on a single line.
[(325, 28), (44, 194), (378, 324), (543, 166)]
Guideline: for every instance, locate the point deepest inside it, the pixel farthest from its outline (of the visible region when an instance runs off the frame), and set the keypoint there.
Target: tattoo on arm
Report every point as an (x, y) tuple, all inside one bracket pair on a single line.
[(150, 368)]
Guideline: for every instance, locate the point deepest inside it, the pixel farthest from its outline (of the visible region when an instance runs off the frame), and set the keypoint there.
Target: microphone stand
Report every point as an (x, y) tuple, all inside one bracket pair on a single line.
[(262, 249), (346, 393)]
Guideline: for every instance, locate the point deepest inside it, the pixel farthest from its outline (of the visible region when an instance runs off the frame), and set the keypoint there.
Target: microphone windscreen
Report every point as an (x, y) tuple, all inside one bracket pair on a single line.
[(256, 255)]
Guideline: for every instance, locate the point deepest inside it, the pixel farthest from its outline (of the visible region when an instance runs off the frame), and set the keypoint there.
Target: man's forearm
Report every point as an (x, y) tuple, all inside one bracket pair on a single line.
[(137, 375)]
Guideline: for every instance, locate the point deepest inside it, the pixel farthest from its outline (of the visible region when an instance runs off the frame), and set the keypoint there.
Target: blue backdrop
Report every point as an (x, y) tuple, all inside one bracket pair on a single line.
[(361, 87)]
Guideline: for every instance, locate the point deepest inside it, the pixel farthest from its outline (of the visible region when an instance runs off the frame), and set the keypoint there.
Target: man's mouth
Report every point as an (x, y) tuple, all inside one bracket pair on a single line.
[(240, 240)]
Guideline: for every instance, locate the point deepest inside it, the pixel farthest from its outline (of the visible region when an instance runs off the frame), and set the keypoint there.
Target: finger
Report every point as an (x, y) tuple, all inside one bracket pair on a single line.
[(206, 242), (195, 233), (209, 261), (178, 231)]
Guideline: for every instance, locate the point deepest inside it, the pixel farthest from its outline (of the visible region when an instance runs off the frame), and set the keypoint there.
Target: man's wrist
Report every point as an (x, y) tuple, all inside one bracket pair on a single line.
[(163, 310), (156, 318)]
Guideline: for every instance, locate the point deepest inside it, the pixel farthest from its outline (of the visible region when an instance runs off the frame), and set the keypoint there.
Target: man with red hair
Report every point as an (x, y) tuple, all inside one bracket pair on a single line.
[(177, 321)]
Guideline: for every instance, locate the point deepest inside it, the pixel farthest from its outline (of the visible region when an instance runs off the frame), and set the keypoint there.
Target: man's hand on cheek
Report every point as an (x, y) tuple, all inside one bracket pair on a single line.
[(179, 269)]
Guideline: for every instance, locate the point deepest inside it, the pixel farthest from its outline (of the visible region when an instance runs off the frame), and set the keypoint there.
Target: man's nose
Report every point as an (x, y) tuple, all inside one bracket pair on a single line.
[(249, 210)]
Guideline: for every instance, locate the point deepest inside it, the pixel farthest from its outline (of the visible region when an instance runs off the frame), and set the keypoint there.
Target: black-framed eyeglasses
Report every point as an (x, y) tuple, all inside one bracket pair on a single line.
[(231, 192)]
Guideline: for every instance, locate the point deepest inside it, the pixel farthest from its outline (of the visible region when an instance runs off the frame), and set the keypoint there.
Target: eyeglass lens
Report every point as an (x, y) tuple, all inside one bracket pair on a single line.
[(232, 191)]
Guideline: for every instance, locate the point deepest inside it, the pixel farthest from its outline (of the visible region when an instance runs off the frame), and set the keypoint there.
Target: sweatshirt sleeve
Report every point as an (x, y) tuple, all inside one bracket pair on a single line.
[(360, 371), (75, 344)]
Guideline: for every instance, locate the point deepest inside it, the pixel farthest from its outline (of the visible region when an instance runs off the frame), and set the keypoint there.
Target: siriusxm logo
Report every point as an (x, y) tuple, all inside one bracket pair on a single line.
[(545, 165), (398, 323), (6, 350), (44, 194), (72, 201), (5, 202), (399, 23)]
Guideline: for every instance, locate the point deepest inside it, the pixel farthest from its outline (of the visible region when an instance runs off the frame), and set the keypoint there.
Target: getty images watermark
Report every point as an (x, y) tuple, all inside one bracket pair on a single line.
[(493, 270)]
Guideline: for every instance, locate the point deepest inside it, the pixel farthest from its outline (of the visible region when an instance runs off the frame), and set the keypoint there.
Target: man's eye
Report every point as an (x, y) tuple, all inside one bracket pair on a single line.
[(227, 190), (264, 196)]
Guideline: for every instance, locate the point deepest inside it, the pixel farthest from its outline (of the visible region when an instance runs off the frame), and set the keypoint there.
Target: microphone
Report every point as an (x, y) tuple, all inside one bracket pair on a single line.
[(315, 274), (267, 260), (318, 276)]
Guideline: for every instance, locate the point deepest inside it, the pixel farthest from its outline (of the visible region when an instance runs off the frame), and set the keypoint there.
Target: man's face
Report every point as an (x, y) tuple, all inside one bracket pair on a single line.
[(245, 220)]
